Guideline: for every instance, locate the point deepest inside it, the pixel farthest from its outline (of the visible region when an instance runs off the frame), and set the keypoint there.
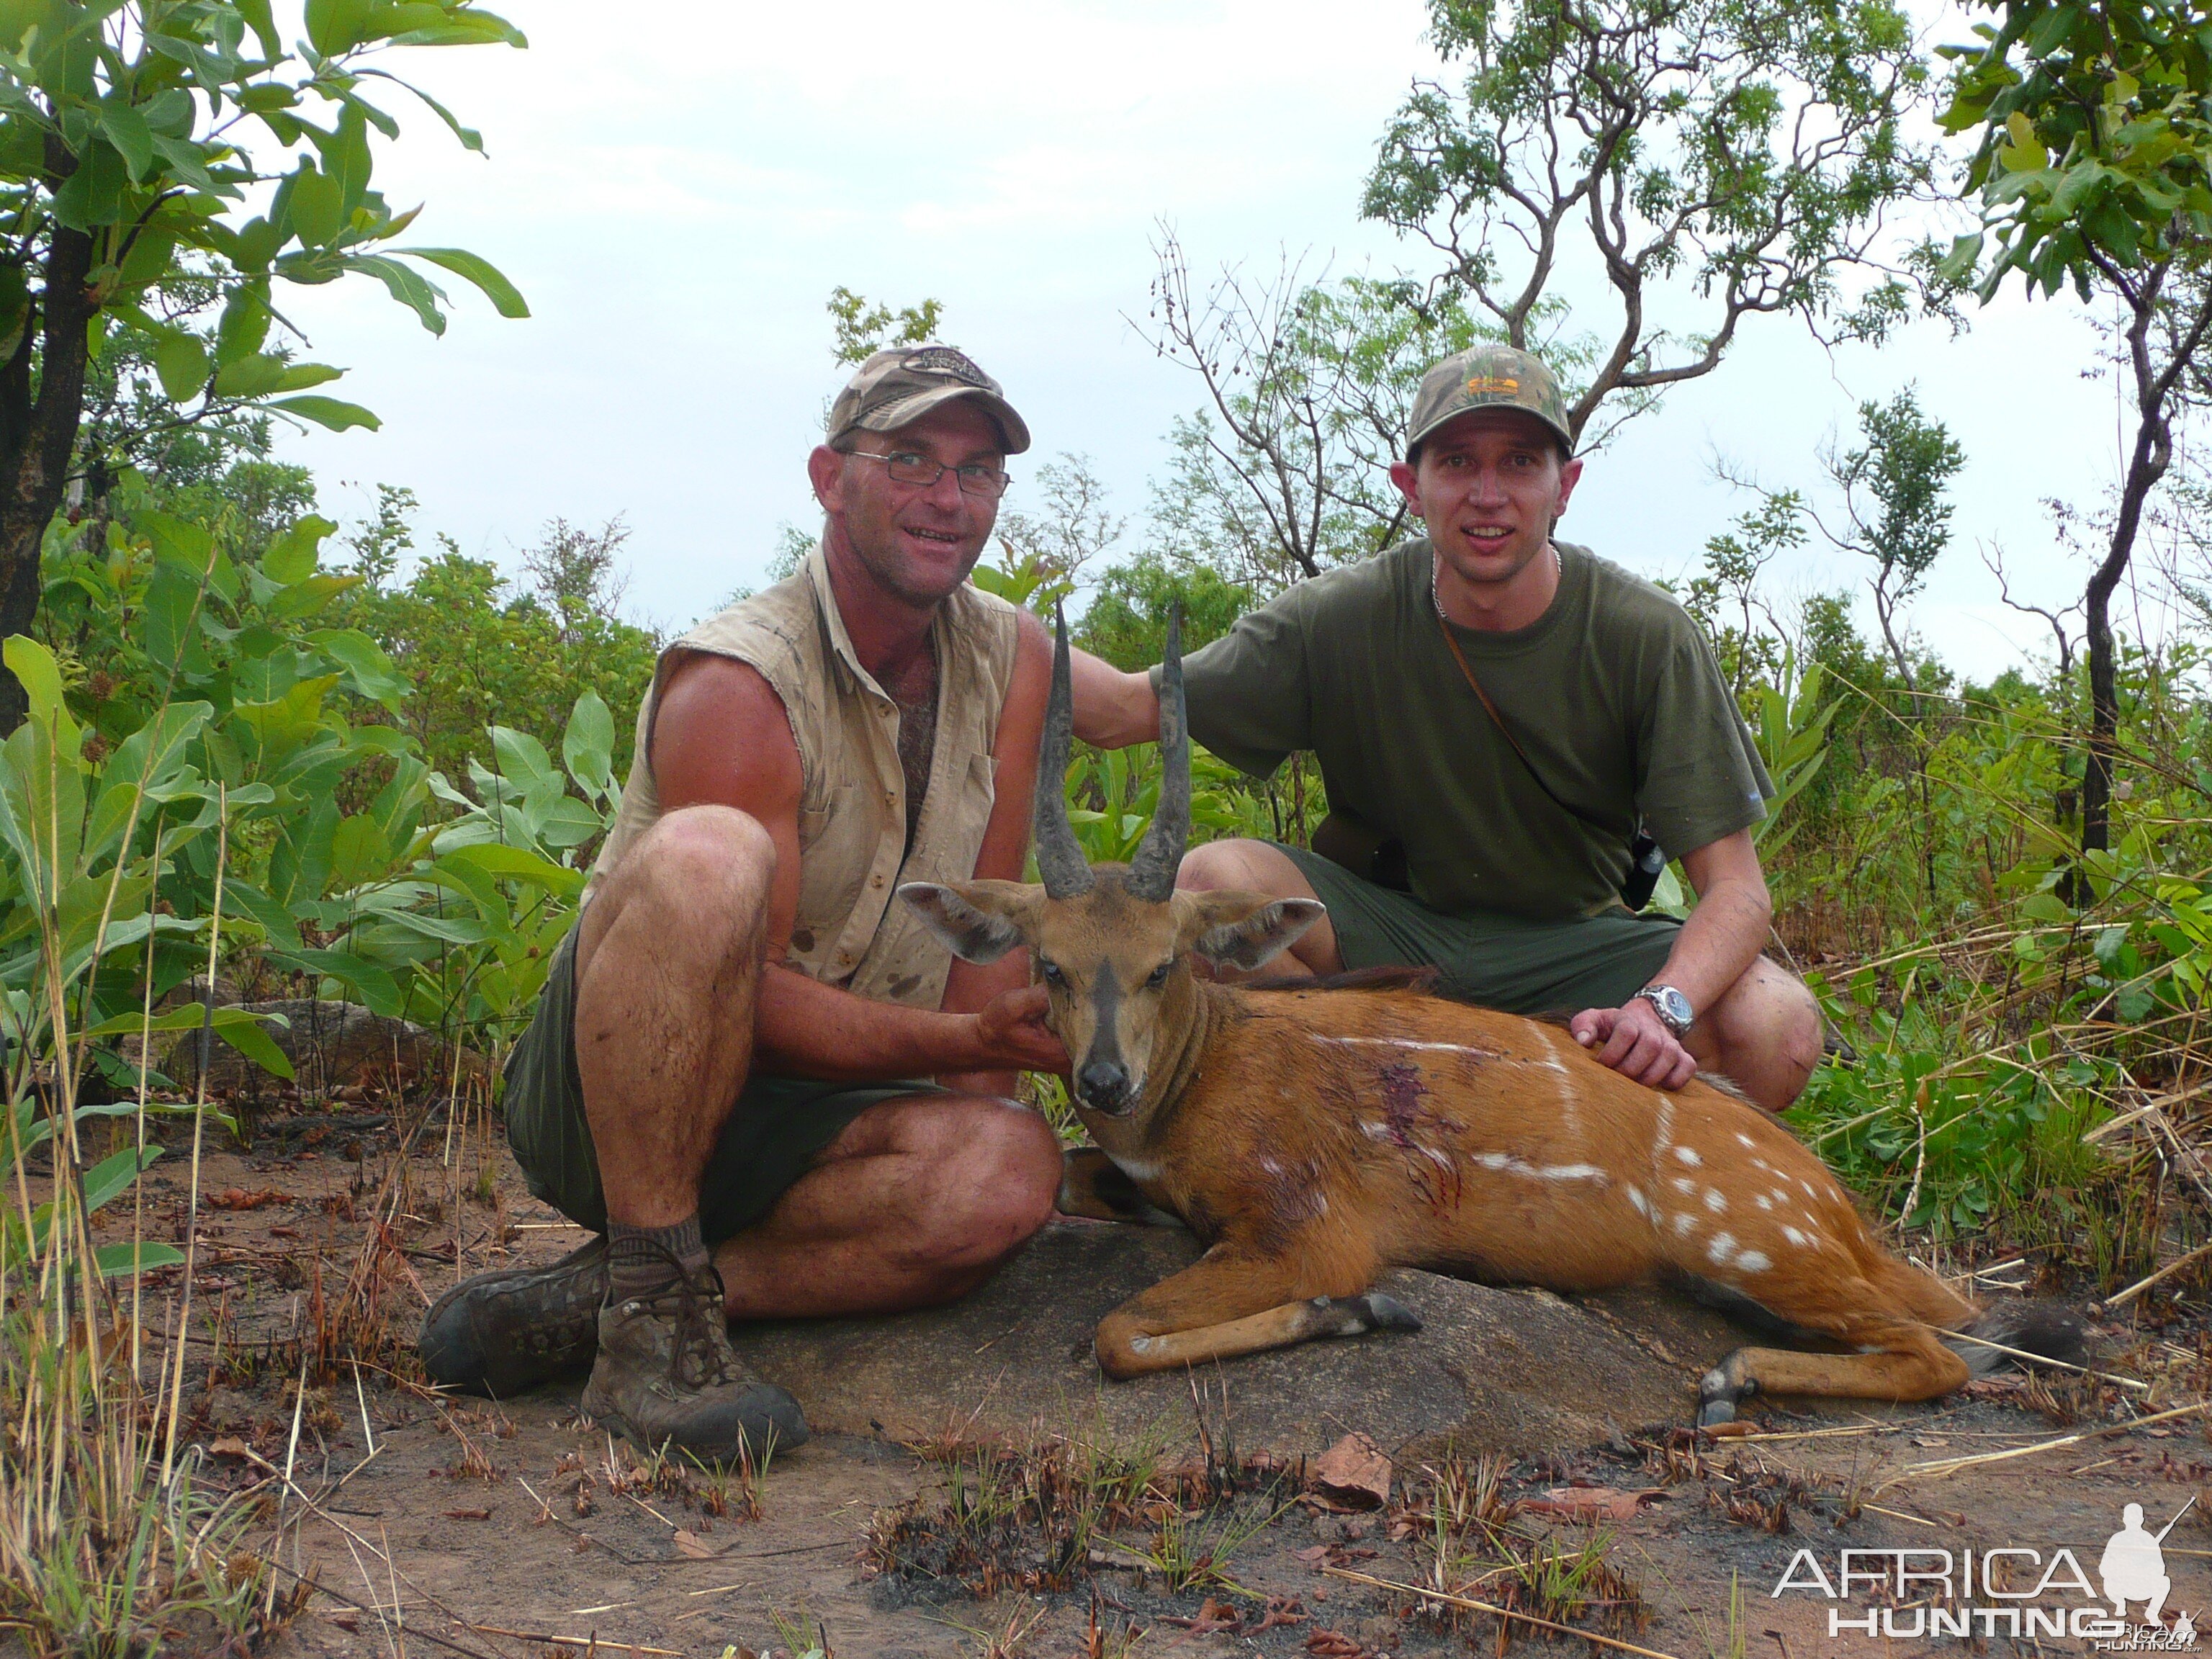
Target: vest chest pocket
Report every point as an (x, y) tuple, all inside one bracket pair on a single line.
[(836, 842)]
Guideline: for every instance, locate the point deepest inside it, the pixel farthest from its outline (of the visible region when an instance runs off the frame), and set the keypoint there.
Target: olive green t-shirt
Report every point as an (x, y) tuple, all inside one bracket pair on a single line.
[(1613, 692)]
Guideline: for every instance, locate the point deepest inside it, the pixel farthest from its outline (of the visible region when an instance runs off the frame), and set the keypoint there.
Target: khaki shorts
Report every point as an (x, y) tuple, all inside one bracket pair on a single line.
[(775, 1133), (1496, 962)]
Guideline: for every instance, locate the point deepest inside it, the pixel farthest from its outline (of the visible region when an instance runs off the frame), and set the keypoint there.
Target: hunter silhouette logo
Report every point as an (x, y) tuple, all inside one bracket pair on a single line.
[(2133, 1566)]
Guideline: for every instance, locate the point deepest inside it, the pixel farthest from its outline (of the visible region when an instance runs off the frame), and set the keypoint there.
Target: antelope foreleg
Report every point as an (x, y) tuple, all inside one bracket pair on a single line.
[(1228, 1303), (1095, 1187), (1909, 1364)]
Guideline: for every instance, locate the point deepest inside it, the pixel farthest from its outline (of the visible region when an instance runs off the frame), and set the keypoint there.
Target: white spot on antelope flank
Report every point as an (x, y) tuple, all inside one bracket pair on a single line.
[(1666, 1121), (1636, 1197), (1683, 1184), (1506, 1164), (1714, 1200), (1762, 1164), (1800, 1240), (1689, 1156), (1685, 1225), (1808, 1186), (1780, 1195), (1405, 1043), (1722, 1248), (1137, 1168), (1743, 1140), (1751, 1261), (1764, 1202)]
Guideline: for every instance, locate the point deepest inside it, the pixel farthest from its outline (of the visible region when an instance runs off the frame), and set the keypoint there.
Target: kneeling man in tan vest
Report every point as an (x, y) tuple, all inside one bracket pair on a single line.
[(755, 1079)]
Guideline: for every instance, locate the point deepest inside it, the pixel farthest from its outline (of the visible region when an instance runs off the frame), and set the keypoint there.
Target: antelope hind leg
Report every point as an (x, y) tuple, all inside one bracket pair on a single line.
[(1228, 1303), (1093, 1186), (1909, 1364)]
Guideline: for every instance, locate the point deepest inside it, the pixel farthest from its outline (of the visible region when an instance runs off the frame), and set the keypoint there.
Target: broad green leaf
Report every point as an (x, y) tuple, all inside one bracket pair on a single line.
[(378, 992), (316, 207), (407, 286), (40, 677), (127, 131), (330, 412), (246, 1034), (368, 671), (358, 852), (292, 556), (589, 740), (112, 1260), (335, 25), (181, 361), (505, 297)]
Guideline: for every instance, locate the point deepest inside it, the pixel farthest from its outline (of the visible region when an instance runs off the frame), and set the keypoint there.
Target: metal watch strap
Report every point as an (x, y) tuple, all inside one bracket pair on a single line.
[(1657, 996)]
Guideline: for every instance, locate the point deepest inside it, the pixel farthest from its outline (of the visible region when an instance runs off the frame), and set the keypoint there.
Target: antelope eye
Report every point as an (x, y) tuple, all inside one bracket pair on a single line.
[(1159, 976), (1049, 972)]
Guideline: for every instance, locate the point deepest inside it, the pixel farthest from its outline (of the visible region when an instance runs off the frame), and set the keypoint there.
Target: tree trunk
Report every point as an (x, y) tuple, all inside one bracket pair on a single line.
[(37, 434), (2146, 466)]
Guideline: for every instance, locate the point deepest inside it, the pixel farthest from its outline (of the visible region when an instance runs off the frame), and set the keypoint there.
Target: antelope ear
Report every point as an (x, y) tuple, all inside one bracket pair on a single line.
[(977, 920), (1244, 930)]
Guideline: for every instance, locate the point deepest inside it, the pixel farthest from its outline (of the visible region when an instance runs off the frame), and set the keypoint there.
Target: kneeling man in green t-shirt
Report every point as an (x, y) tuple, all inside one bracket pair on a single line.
[(1504, 722)]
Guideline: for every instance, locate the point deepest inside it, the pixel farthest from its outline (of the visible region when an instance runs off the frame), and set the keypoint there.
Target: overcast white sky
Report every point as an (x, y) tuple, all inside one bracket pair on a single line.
[(676, 192)]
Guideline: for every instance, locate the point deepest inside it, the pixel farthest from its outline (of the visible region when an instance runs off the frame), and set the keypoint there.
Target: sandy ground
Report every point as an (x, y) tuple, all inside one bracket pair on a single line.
[(436, 1526)]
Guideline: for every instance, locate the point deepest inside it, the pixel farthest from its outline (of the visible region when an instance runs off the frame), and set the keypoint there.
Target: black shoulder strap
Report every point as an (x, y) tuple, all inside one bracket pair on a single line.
[(1506, 732)]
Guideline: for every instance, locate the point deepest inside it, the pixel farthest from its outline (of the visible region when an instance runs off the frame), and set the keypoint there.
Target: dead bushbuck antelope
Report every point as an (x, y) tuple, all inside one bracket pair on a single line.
[(1315, 1138)]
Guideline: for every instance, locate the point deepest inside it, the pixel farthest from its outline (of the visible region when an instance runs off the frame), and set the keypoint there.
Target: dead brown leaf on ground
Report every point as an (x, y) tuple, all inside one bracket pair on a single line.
[(1591, 1503), (1354, 1471)]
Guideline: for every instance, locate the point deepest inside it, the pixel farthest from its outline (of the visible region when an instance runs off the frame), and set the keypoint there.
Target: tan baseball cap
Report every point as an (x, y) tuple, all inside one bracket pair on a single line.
[(1487, 377), (901, 384)]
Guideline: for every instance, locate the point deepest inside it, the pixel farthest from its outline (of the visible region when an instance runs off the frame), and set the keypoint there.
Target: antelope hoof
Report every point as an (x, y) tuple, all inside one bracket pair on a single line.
[(1387, 1313), (1355, 1316), (1720, 1392)]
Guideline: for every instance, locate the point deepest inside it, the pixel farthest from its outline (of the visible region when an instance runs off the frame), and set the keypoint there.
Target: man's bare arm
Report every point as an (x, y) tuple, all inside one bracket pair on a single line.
[(1113, 709), (1722, 939), (971, 986), (721, 737)]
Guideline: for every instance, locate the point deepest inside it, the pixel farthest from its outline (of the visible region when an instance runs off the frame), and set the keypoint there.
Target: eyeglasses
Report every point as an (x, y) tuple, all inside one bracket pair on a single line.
[(908, 467)]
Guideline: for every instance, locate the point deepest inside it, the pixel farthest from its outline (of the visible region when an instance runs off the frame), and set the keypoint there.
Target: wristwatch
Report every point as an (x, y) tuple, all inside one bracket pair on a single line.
[(1671, 1006)]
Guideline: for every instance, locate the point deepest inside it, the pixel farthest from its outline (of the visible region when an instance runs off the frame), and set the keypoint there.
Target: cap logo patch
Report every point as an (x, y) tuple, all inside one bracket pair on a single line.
[(944, 360), (1494, 385)]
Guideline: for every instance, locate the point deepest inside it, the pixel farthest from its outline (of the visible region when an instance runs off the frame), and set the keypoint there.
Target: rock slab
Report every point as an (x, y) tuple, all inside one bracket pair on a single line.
[(1518, 1371)]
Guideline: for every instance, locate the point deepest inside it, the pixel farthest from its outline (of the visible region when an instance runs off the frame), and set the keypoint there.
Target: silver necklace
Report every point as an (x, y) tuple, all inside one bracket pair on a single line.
[(1436, 571)]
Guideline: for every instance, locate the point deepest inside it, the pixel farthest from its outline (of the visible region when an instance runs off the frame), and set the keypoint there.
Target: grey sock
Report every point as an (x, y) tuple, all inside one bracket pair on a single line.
[(638, 1258)]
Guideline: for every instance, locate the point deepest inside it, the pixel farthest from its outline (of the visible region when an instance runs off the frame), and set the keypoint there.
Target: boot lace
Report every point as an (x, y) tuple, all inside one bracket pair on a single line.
[(694, 1303)]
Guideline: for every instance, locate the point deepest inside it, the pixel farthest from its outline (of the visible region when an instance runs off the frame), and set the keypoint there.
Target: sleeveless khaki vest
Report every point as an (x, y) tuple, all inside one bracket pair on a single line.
[(852, 813)]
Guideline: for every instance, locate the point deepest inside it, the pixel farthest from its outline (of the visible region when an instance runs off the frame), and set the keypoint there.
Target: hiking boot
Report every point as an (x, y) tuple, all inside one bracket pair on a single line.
[(665, 1375), (501, 1332)]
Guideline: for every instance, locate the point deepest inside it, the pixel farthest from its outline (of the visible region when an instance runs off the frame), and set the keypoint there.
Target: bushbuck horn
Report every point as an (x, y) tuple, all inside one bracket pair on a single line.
[(1152, 871), (1060, 864)]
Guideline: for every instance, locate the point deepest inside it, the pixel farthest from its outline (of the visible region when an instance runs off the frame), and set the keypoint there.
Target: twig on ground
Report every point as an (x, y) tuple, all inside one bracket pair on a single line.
[(2061, 1364), (1502, 1613), (2167, 1271), (587, 1642), (1937, 1468)]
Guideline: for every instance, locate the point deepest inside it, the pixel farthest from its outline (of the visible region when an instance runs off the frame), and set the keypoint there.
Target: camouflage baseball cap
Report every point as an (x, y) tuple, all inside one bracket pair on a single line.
[(903, 383), (1487, 377)]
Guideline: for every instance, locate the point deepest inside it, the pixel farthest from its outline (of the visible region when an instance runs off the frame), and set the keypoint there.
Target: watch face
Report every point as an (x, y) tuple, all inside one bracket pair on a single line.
[(1673, 1007)]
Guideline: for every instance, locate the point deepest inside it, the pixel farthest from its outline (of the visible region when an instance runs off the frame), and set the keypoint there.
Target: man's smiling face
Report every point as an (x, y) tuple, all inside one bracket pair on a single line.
[(1488, 485), (919, 543)]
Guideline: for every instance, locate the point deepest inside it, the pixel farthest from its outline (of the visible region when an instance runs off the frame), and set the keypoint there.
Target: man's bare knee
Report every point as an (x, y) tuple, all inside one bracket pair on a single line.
[(700, 876), (1767, 1029), (992, 1179), (1240, 865)]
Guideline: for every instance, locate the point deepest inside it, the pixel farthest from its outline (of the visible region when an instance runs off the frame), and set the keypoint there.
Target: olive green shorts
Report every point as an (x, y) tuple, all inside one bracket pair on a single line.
[(1497, 962), (774, 1133)]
